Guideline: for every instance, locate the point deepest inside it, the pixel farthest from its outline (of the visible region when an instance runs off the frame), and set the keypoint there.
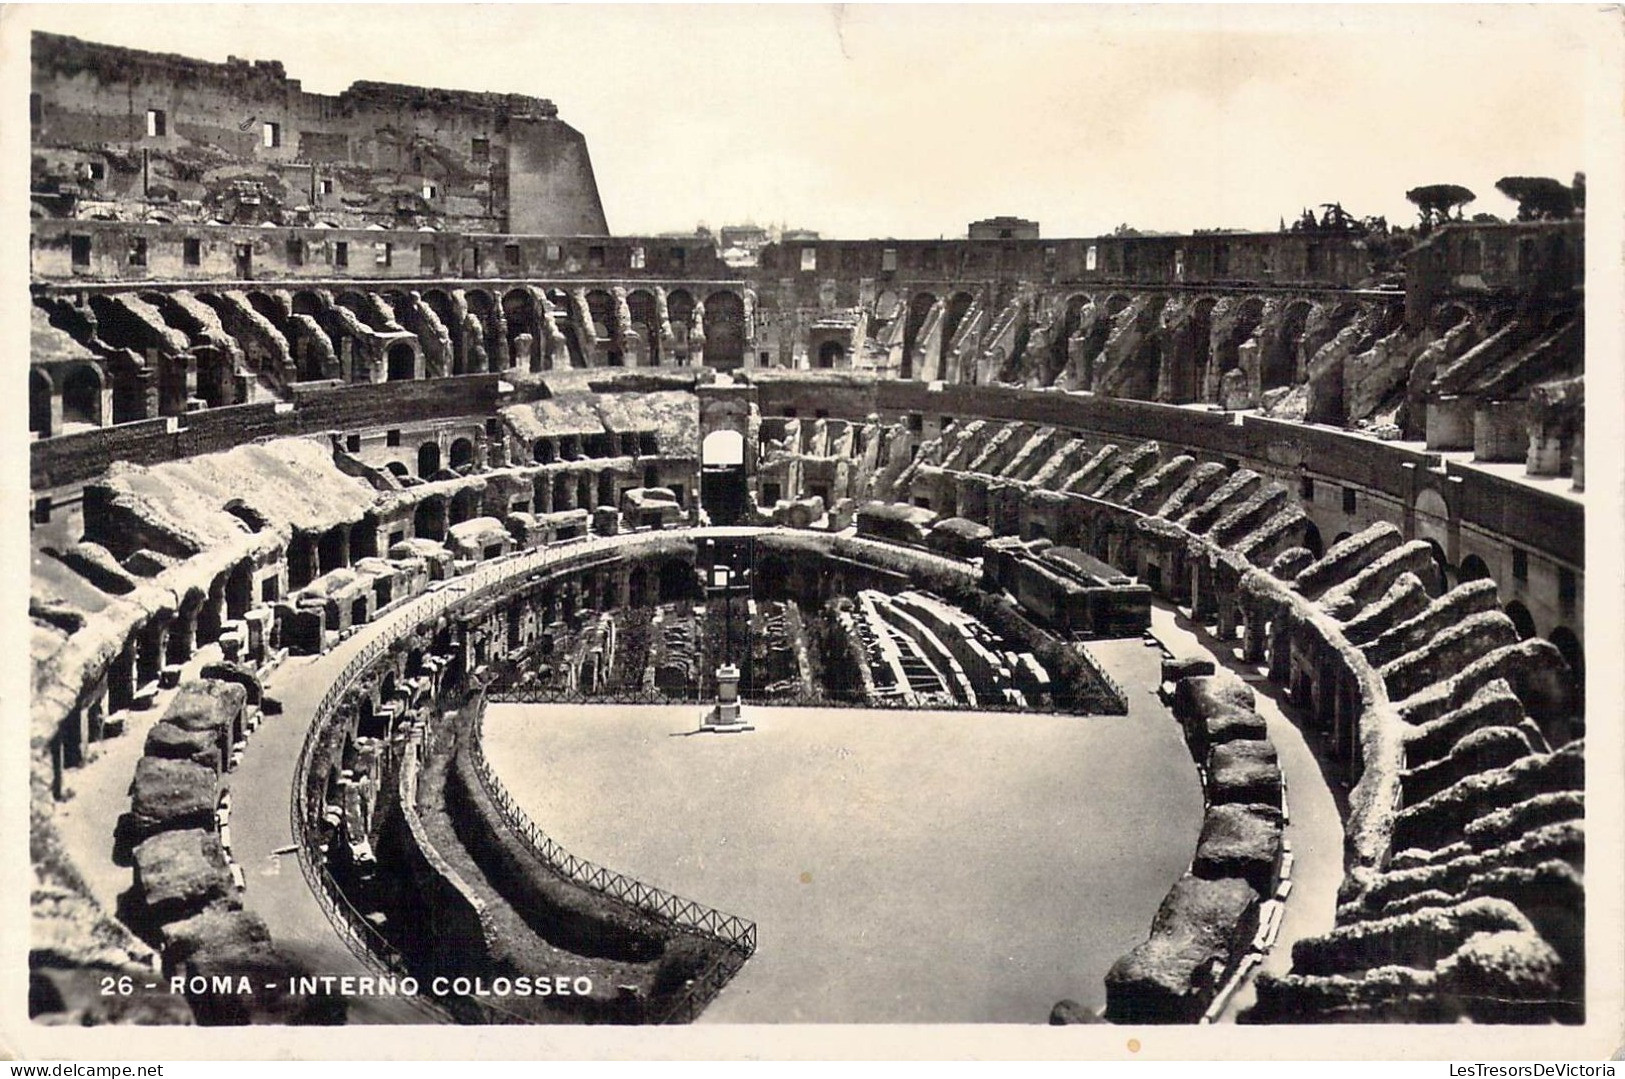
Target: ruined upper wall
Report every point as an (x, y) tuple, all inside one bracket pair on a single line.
[(379, 152)]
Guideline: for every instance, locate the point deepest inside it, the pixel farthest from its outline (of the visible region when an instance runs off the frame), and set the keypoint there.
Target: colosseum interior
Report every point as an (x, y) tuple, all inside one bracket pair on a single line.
[(351, 425)]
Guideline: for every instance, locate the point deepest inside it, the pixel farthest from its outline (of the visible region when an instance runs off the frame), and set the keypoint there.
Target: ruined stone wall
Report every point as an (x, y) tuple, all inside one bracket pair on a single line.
[(243, 142)]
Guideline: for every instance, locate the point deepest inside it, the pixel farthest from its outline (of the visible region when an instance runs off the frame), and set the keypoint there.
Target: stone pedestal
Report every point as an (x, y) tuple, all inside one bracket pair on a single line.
[(725, 715)]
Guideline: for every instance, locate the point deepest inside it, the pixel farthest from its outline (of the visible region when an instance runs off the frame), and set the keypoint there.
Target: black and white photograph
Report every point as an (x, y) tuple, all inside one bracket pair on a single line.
[(1057, 523)]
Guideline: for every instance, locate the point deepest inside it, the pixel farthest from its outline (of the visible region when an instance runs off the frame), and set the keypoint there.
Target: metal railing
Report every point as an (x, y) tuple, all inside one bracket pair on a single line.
[(657, 903)]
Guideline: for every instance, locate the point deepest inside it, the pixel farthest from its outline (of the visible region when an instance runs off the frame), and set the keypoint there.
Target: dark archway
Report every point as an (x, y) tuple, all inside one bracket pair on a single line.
[(724, 331), (428, 459), (331, 551), (959, 304), (483, 307), (465, 505), (39, 403), (1248, 316), (1568, 645), (403, 362), (462, 453), (1441, 577), (364, 539), (601, 308), (1312, 541), (1522, 620), (240, 590), (1473, 568), (519, 311), (1063, 331), (82, 396), (429, 519), (446, 311), (1280, 361), (919, 310), (640, 304), (831, 354), (306, 302)]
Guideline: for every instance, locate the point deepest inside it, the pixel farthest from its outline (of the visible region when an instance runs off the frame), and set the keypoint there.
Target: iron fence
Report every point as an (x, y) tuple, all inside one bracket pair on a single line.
[(663, 906)]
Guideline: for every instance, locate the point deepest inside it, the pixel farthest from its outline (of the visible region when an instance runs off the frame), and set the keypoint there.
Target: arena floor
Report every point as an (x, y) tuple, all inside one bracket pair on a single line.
[(901, 867)]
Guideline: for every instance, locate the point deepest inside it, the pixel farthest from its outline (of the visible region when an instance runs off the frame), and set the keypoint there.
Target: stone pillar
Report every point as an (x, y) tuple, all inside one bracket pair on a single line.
[(1204, 605), (183, 637), (1227, 619), (1280, 657), (1252, 635)]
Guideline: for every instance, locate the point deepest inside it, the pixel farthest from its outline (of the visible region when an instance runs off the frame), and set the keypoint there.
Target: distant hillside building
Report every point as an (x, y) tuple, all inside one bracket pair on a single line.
[(1004, 228)]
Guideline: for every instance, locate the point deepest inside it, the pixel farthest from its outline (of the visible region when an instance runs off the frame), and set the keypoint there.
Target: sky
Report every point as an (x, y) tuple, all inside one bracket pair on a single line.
[(910, 121)]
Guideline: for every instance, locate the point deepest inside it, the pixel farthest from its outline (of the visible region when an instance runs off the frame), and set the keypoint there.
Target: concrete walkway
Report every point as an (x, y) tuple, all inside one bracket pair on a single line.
[(1316, 828)]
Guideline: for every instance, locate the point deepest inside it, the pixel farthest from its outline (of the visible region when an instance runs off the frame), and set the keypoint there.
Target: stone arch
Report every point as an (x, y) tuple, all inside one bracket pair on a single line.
[(1432, 517), (1071, 316), (462, 453), (331, 549), (1312, 541), (1147, 368), (1473, 568), (364, 539), (445, 309), (959, 304), (82, 394), (357, 305), (919, 309), (308, 302), (1116, 302), (601, 306), (39, 402), (679, 307), (429, 519), (269, 309), (1249, 313), (831, 354), (1521, 619), (522, 316), (886, 305), (1441, 564), (640, 305), (465, 505), (240, 589), (1280, 361), (1187, 356), (723, 447), (1567, 643), (428, 459), (483, 306), (402, 359), (544, 451), (724, 330)]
